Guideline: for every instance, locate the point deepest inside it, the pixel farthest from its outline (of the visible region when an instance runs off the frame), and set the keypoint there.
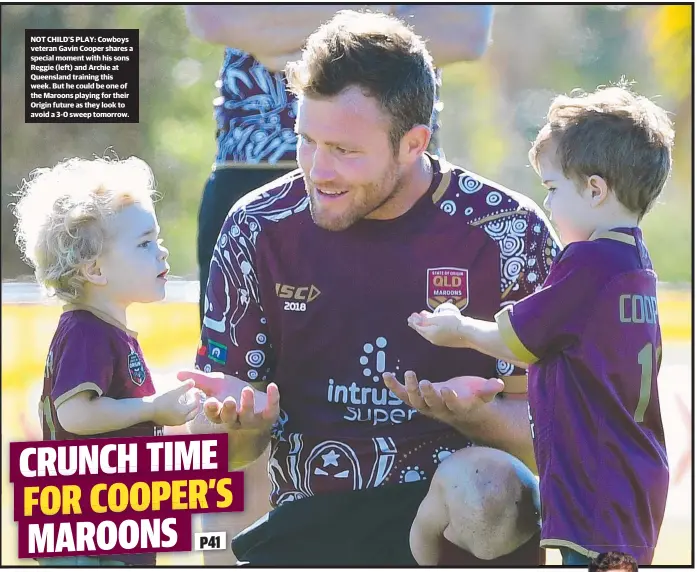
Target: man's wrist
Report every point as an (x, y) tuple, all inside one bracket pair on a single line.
[(246, 445), (464, 332), (477, 424)]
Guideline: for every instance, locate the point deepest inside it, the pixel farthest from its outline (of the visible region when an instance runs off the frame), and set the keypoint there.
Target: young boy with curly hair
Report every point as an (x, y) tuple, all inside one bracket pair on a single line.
[(591, 334), (89, 230)]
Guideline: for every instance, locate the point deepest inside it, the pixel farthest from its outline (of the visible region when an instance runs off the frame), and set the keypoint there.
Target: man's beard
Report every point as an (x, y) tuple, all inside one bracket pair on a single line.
[(372, 197)]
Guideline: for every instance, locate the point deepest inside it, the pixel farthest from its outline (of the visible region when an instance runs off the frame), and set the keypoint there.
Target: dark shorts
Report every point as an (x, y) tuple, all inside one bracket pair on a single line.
[(529, 554), (366, 528), (223, 189)]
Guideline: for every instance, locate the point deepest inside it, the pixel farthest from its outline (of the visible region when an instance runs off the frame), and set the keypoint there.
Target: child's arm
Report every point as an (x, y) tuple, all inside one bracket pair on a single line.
[(486, 337), (543, 323), (86, 414), (448, 327)]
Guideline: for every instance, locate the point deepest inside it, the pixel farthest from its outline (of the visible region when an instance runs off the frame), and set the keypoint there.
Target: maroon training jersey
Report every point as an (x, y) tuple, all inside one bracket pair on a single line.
[(593, 335), (92, 352), (323, 314), (255, 114)]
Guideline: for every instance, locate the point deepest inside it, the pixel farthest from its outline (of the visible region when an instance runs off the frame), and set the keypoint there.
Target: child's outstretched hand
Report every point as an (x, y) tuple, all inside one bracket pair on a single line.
[(440, 327), (177, 406)]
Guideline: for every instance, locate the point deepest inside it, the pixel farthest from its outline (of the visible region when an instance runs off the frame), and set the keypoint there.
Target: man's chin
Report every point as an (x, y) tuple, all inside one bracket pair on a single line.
[(332, 224)]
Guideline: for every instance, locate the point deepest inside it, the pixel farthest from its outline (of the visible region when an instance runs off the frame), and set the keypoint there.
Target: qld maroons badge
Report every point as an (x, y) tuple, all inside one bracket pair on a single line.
[(447, 285)]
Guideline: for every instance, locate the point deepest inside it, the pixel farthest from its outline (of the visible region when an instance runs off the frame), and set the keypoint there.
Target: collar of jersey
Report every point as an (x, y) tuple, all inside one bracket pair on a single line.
[(626, 235), (101, 315)]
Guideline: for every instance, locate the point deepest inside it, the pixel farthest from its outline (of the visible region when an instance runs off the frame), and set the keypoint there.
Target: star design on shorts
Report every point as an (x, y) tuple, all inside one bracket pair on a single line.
[(331, 459)]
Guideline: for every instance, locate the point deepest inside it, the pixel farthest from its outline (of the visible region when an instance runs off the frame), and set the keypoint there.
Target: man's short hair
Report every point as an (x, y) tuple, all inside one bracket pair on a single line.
[(623, 137), (613, 561), (62, 211), (376, 53)]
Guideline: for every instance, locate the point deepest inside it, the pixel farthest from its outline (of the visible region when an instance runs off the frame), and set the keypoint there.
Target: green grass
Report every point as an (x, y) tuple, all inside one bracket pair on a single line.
[(667, 233)]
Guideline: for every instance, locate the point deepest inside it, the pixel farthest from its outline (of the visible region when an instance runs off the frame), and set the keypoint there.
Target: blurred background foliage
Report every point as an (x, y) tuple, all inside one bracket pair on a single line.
[(492, 111)]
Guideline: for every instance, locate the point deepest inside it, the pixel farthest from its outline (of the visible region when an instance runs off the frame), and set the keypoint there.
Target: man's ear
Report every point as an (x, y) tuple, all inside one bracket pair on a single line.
[(414, 143), (92, 272), (598, 190)]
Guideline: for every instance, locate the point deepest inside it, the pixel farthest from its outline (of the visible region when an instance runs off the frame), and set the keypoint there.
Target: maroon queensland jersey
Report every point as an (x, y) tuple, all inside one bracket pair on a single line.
[(92, 352), (255, 114), (88, 353), (593, 335), (323, 314)]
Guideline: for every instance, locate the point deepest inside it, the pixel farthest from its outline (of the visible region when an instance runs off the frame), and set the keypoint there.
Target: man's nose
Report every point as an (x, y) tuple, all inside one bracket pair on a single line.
[(322, 168)]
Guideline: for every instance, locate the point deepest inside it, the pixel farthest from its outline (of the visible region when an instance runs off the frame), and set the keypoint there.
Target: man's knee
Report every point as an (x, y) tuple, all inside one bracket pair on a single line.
[(492, 500), (428, 527)]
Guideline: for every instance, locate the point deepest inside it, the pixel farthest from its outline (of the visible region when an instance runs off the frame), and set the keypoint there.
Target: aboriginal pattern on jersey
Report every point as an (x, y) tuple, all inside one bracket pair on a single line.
[(255, 113), (234, 256), (506, 218)]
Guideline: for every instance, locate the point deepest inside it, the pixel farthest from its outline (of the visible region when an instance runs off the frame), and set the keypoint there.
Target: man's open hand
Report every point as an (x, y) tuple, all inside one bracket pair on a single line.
[(234, 403), (448, 400)]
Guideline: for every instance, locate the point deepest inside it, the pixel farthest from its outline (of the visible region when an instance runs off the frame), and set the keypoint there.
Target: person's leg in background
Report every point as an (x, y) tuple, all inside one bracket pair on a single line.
[(223, 189), (257, 488), (570, 557)]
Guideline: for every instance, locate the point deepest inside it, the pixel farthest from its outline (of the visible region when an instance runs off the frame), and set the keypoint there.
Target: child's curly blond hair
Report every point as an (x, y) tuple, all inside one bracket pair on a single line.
[(62, 211)]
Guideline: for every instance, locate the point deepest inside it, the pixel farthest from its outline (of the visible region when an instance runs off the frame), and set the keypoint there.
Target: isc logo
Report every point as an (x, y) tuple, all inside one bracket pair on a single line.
[(300, 296), (210, 540), (299, 293)]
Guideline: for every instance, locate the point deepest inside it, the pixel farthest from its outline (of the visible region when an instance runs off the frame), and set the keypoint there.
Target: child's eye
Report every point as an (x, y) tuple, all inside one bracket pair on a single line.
[(144, 244), (551, 189)]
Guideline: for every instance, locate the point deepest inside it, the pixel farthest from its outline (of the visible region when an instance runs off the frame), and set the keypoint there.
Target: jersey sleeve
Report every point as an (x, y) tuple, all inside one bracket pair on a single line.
[(84, 361), (528, 245), (552, 318), (234, 336)]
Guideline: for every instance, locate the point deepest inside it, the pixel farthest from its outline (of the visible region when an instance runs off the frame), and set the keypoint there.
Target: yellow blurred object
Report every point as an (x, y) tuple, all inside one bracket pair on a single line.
[(669, 37), (675, 313), (169, 333)]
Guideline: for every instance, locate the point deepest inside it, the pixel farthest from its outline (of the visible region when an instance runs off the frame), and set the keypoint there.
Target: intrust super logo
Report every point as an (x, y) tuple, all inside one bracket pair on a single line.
[(297, 297)]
